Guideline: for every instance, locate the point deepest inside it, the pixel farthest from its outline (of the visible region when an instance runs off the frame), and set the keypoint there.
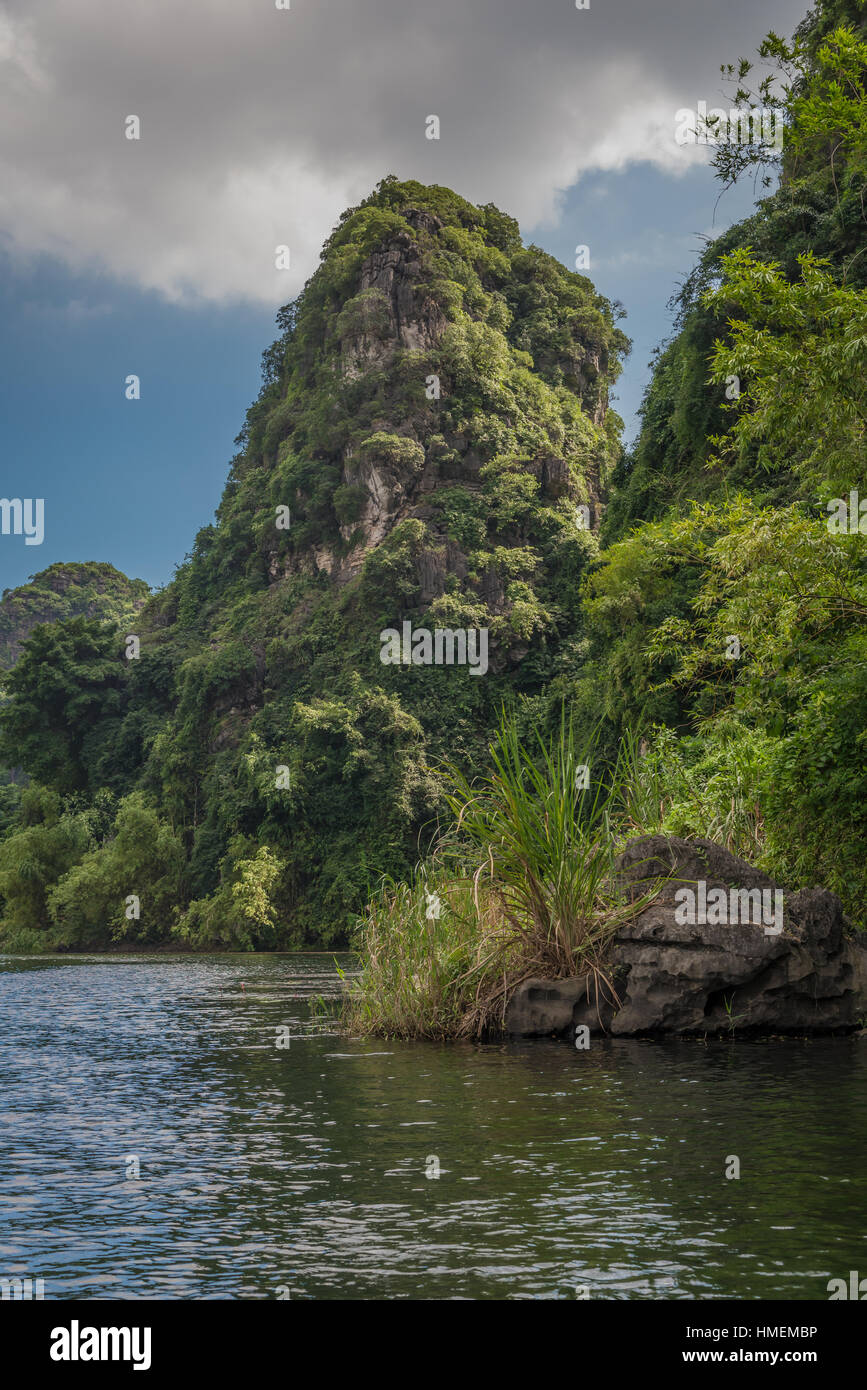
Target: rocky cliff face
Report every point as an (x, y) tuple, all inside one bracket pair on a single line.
[(397, 312)]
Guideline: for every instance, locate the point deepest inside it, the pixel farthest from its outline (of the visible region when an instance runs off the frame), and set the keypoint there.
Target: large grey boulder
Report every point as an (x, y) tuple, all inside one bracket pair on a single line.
[(705, 960)]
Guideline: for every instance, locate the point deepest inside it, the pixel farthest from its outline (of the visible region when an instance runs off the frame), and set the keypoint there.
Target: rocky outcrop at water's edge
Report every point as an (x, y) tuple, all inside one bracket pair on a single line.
[(701, 958)]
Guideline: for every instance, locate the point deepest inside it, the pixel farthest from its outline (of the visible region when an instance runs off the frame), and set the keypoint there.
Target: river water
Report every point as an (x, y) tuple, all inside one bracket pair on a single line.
[(155, 1142)]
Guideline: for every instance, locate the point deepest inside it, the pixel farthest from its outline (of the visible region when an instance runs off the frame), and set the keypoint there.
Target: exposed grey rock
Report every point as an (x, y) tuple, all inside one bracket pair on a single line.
[(675, 976), (413, 318), (542, 1007)]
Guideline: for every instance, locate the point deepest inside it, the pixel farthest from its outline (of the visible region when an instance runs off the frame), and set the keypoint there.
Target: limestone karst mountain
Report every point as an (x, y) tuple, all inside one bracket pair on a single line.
[(430, 447)]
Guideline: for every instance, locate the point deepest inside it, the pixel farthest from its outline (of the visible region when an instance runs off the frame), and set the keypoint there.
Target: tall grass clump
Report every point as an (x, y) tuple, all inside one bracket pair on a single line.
[(419, 970), (525, 878)]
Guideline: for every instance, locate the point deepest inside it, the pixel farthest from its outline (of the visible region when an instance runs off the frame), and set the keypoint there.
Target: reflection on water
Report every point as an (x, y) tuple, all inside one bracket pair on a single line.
[(303, 1168)]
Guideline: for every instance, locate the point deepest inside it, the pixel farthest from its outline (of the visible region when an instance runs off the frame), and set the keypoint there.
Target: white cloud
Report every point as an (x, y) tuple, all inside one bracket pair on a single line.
[(259, 126)]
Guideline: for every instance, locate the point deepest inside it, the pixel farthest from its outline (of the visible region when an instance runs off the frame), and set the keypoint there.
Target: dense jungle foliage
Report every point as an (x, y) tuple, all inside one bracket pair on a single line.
[(431, 440)]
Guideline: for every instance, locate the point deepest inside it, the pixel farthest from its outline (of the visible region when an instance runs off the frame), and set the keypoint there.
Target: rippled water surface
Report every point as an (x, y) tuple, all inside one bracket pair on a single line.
[(302, 1171)]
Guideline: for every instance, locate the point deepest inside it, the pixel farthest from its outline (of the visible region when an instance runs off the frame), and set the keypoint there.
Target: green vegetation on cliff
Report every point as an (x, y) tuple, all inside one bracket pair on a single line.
[(818, 209)]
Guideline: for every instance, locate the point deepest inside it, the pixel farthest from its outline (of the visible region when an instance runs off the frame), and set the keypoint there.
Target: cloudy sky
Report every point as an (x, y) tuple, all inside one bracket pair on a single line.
[(259, 126)]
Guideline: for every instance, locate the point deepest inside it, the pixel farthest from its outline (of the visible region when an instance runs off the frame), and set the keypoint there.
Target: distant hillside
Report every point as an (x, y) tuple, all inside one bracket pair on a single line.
[(90, 590)]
